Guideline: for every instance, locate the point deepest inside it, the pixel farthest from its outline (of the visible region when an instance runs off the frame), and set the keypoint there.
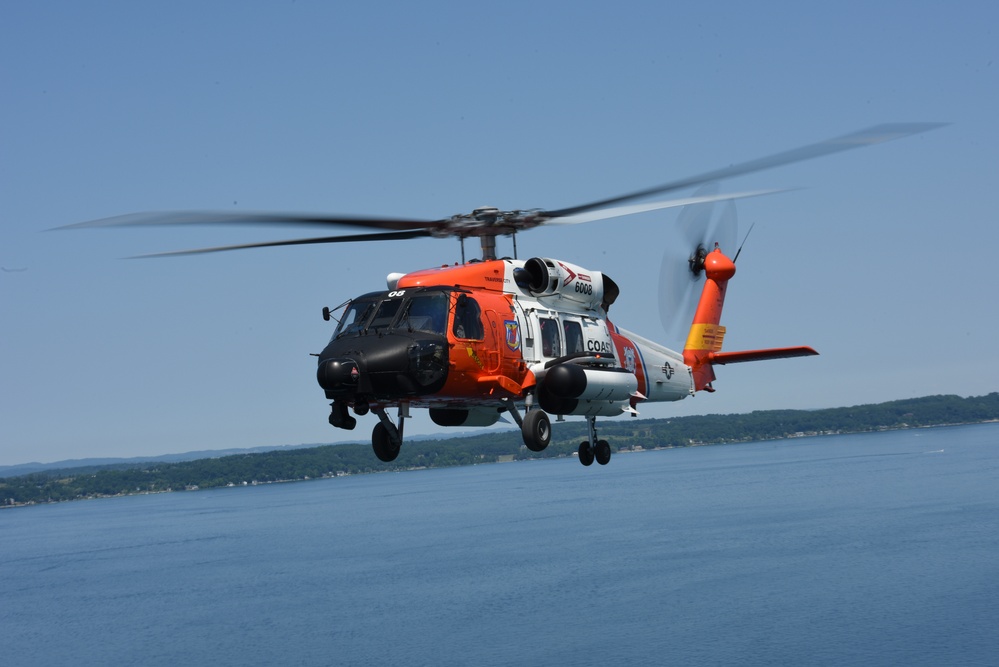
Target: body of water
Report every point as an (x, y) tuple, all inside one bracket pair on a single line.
[(864, 549)]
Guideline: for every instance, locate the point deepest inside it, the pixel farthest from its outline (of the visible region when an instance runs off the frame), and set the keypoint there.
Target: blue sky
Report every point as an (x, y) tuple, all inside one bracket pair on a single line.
[(883, 261)]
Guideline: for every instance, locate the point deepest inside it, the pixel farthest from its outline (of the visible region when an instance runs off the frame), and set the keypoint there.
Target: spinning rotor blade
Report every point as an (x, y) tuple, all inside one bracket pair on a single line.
[(619, 211), (151, 218), (406, 228), (486, 223), (872, 135), (699, 228), (386, 236)]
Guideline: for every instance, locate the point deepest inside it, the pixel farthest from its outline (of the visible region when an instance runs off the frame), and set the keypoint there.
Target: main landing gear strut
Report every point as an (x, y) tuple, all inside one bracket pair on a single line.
[(386, 438), (536, 428)]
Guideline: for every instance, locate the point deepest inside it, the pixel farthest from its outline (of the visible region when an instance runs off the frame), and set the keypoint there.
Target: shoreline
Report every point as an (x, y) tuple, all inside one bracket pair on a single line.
[(500, 459)]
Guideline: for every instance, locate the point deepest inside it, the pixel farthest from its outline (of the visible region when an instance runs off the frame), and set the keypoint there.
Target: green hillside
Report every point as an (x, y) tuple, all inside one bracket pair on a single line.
[(488, 447)]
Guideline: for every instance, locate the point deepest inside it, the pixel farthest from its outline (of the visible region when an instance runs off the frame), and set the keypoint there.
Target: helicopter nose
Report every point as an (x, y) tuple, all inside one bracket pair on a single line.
[(387, 366), (334, 374)]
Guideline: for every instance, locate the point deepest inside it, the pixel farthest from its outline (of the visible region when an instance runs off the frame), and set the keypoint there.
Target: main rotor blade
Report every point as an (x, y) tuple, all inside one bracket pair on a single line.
[(602, 214), (867, 137), (387, 236), (254, 218)]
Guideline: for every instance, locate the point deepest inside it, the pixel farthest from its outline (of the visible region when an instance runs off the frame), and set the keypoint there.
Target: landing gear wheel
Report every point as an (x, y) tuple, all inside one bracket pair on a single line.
[(381, 442), (585, 453), (602, 452), (537, 430)]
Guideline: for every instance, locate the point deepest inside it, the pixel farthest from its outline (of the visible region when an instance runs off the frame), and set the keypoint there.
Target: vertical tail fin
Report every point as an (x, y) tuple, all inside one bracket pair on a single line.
[(706, 334)]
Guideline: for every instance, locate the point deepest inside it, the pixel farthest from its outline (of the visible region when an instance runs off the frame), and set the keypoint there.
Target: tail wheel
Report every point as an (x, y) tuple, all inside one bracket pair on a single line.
[(382, 443), (585, 453), (602, 452), (537, 430)]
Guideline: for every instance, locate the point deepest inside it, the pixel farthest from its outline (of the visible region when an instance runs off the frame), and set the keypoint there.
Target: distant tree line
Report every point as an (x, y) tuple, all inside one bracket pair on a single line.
[(487, 447)]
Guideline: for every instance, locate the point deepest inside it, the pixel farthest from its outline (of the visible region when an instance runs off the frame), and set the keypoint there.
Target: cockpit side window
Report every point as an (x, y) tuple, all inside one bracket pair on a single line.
[(425, 312), (468, 319)]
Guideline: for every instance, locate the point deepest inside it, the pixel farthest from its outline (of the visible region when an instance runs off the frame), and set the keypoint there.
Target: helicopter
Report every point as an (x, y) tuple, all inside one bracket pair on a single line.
[(479, 339)]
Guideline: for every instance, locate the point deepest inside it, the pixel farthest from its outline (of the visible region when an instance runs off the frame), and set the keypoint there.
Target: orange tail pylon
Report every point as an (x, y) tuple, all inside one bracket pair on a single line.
[(704, 343)]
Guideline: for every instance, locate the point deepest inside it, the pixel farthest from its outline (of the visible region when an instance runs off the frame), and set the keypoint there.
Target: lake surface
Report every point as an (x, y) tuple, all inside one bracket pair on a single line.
[(865, 549)]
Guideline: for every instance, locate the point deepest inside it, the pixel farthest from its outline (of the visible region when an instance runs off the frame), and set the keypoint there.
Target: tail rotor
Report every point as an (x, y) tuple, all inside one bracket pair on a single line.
[(681, 276)]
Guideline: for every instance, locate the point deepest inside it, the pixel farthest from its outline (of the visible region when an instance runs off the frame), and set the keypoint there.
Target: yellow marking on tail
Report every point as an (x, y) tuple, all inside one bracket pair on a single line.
[(705, 337)]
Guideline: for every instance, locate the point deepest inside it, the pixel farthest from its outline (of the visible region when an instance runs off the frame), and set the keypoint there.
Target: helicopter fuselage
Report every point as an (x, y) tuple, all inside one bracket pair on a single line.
[(473, 341)]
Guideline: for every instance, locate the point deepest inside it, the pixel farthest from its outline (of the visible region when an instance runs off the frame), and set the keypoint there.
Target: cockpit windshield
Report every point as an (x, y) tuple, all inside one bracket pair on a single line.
[(355, 317), (384, 315), (377, 313)]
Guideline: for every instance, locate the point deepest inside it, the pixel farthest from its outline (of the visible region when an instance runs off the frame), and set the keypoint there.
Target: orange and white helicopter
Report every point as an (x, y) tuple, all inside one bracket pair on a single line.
[(528, 338)]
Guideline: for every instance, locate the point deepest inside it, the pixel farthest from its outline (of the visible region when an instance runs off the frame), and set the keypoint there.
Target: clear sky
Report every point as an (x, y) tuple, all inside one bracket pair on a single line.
[(884, 261)]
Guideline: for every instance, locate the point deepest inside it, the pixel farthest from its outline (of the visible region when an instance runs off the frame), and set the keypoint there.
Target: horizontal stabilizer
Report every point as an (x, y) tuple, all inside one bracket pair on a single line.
[(759, 355)]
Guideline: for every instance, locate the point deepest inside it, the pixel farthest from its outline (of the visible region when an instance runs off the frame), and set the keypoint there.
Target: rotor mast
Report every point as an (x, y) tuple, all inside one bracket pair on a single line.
[(487, 242), (487, 216)]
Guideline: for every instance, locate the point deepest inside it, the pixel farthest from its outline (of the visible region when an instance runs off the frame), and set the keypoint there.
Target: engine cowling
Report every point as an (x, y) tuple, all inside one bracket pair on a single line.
[(544, 277)]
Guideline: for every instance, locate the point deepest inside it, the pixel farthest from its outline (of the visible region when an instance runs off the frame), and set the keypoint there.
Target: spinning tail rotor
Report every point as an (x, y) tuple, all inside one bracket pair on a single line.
[(699, 229)]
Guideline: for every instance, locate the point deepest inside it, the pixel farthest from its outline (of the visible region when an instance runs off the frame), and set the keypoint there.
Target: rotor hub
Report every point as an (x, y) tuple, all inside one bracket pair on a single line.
[(486, 213), (696, 261)]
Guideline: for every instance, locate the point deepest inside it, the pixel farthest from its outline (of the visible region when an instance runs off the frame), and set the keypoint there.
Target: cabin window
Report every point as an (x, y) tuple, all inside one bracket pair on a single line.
[(551, 344), (468, 319), (573, 337)]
